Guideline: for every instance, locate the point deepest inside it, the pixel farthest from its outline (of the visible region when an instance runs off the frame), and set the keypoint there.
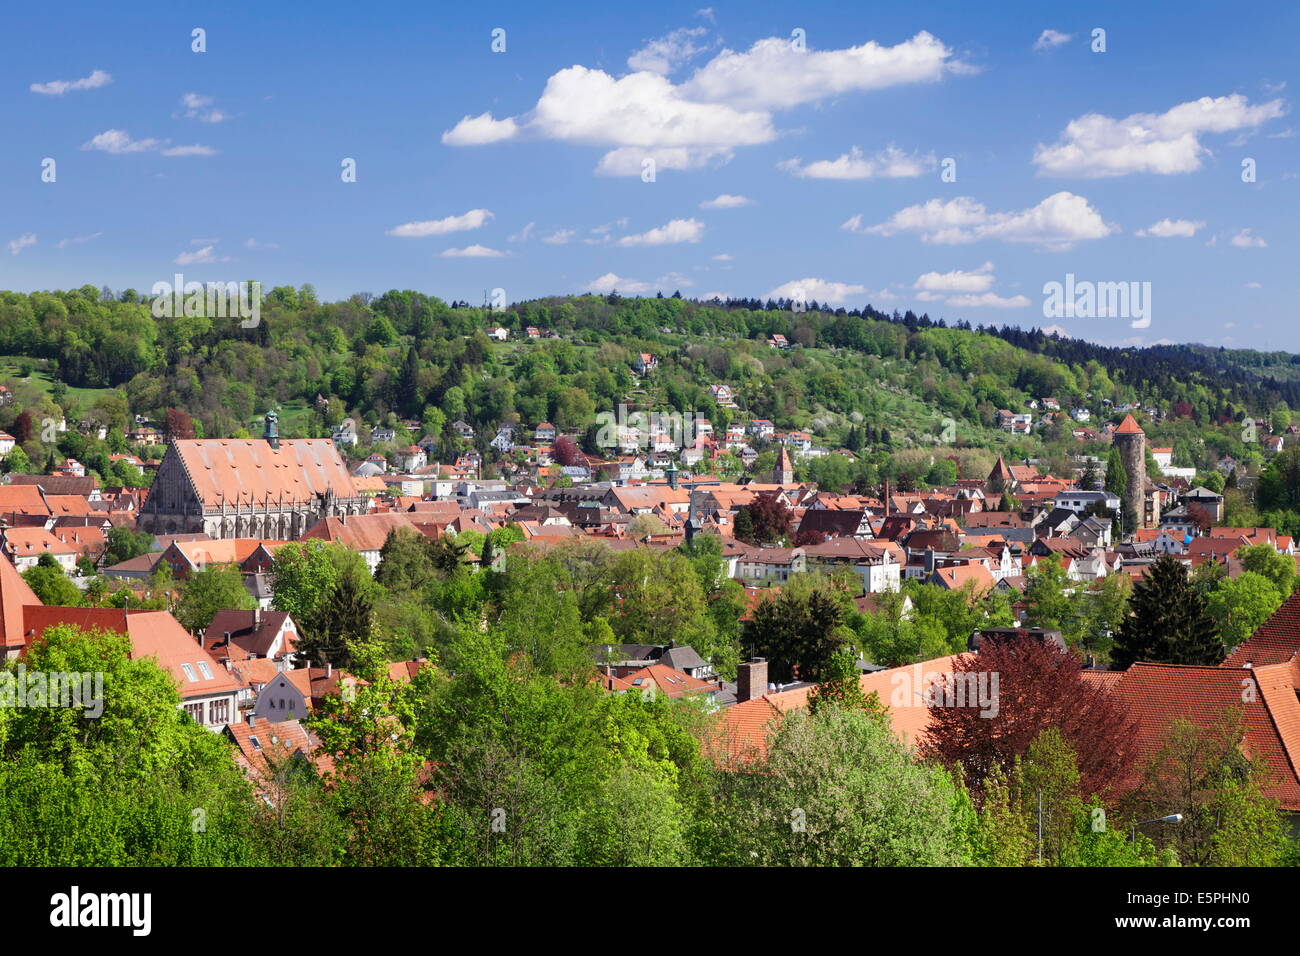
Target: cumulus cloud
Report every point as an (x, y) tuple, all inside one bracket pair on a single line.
[(889, 163), (1050, 39), (978, 280), (676, 230), (1172, 228), (205, 256), (200, 107), (667, 53), (726, 104), (989, 299), (774, 75), (632, 160), (481, 129), (22, 242), (559, 237), (474, 219), (610, 282), (96, 79), (118, 141), (476, 251), (1094, 145), (726, 201), (1056, 223), (816, 290), (1244, 239)]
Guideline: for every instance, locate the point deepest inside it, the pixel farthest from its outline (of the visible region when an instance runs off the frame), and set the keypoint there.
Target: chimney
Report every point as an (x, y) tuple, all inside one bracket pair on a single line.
[(252, 720), (257, 618), (329, 669), (886, 497), (751, 679)]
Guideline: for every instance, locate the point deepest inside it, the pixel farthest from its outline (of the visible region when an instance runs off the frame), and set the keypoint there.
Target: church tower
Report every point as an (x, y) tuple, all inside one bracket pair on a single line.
[(783, 473)]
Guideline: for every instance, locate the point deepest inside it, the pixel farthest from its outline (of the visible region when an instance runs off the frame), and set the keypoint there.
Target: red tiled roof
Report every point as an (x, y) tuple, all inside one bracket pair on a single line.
[(1157, 693), (1275, 641), (249, 469), (1129, 426)]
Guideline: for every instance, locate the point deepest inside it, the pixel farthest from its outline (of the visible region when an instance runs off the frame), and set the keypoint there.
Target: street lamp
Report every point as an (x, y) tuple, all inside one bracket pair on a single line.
[(1172, 818)]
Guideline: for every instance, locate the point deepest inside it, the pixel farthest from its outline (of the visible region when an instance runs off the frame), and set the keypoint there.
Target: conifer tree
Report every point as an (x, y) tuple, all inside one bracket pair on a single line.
[(1168, 622)]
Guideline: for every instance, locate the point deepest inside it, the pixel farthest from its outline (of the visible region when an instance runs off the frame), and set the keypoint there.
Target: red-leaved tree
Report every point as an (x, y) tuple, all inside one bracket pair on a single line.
[(1039, 686), (567, 452)]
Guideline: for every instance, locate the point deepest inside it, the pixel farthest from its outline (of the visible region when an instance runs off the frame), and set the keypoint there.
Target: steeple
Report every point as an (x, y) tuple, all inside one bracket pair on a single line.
[(672, 474), (783, 473)]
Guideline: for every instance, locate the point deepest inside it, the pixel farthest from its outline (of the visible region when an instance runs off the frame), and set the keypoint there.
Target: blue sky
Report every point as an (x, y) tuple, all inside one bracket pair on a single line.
[(522, 170)]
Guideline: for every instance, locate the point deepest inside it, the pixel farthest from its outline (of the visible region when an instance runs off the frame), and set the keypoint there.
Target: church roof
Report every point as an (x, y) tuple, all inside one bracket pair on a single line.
[(250, 470)]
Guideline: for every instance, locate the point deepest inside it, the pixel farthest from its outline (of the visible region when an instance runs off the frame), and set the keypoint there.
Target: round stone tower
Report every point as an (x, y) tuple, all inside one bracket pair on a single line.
[(1131, 441)]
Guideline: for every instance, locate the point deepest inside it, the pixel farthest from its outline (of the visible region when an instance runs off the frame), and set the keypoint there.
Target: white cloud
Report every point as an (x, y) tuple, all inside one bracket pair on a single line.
[(725, 104), (610, 282), (889, 163), (988, 299), (118, 141), (254, 244), (723, 257), (1094, 145), (676, 230), (1172, 228), (1049, 39), (816, 290), (523, 234), (559, 237), (774, 75), (1243, 239), (720, 296), (77, 240), (473, 219), (978, 280), (22, 242), (197, 107), (481, 129), (1055, 223), (1254, 285), (666, 53), (726, 201), (204, 256), (1057, 330), (96, 79), (631, 160), (475, 251)]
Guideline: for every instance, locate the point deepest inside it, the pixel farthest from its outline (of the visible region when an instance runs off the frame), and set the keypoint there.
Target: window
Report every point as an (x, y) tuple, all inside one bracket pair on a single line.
[(219, 712), (195, 711), (205, 670), (257, 744), (189, 672)]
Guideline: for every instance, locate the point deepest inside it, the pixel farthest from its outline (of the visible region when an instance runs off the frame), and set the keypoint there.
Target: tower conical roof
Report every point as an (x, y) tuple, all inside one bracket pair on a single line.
[(1129, 426)]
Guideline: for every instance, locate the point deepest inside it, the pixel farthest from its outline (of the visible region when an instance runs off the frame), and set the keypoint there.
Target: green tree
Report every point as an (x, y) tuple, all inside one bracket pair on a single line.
[(1168, 622), (204, 593), (1240, 605)]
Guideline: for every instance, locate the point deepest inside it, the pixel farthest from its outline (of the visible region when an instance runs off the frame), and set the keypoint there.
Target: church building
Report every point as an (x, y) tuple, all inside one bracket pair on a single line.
[(249, 487)]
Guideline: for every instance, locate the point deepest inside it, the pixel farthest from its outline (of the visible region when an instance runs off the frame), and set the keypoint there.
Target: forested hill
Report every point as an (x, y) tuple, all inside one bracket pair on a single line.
[(402, 354)]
